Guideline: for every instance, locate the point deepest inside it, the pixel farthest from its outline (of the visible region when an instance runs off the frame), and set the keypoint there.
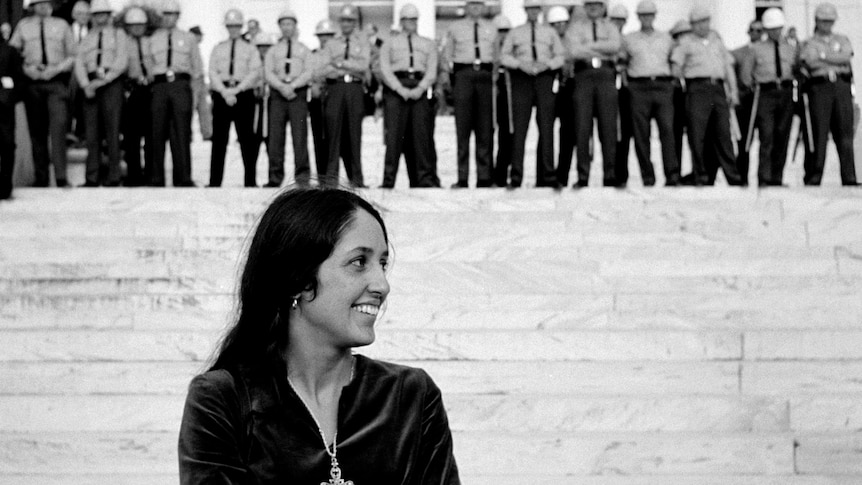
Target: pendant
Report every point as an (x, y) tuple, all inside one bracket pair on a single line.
[(335, 474)]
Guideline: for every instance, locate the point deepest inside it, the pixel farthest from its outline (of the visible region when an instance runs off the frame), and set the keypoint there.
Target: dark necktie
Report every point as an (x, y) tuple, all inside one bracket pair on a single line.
[(170, 49), (99, 50), (141, 58), (533, 40), (476, 41), (595, 33), (346, 48), (410, 46), (778, 73), (232, 53), (44, 46), (287, 60)]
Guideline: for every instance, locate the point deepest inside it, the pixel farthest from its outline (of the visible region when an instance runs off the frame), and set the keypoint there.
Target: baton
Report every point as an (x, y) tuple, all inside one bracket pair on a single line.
[(750, 135), (264, 108), (495, 92), (808, 133), (735, 132)]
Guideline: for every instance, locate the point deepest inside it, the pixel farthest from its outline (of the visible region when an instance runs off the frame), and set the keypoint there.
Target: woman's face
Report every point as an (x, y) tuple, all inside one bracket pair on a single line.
[(351, 287)]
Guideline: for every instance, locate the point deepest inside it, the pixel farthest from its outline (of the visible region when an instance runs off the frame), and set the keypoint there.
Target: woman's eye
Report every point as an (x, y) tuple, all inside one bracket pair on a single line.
[(358, 262), (384, 264)]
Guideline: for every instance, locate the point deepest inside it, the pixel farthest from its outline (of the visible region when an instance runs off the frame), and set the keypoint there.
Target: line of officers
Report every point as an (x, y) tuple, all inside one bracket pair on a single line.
[(578, 69)]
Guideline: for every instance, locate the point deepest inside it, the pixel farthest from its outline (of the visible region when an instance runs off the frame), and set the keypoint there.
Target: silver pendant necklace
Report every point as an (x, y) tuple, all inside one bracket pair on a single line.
[(335, 469)]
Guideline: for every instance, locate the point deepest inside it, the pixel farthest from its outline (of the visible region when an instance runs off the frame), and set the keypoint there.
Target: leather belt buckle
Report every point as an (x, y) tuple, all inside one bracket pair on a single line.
[(477, 64), (101, 73), (832, 76), (596, 62), (170, 76), (348, 78)]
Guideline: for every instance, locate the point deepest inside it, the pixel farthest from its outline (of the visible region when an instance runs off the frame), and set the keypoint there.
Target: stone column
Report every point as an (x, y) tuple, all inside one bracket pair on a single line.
[(427, 16)]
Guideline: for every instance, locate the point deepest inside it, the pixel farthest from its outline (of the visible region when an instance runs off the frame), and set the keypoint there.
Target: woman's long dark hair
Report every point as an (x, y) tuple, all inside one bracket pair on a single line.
[(296, 233)]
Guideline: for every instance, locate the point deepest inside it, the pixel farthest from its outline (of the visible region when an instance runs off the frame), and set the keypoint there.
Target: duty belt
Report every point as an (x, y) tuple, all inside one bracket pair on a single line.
[(594, 63), (646, 79), (346, 79), (846, 77), (97, 74), (715, 81), (476, 66), (171, 77), (774, 85), (416, 75)]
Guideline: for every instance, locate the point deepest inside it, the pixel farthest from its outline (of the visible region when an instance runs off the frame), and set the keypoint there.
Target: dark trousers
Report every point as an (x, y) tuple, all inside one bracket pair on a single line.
[(137, 126), (743, 115), (709, 117), (172, 116), (7, 142), (294, 112), (472, 94), (621, 164), (831, 107), (505, 136), (774, 118), (318, 134), (241, 115), (344, 108), (654, 100), (46, 103), (102, 116), (529, 91), (408, 128), (679, 120), (566, 113), (596, 95)]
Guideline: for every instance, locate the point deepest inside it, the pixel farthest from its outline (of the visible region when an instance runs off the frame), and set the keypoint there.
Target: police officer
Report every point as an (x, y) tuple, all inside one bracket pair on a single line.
[(651, 86), (176, 59), (618, 15), (263, 42), (769, 70), (679, 29), (48, 49), (408, 66), (558, 18), (594, 43), (502, 84), (137, 122), (288, 69), (533, 53), (469, 54), (11, 79), (826, 56), (100, 69), (746, 96), (707, 67), (324, 31), (348, 68), (200, 94), (234, 70)]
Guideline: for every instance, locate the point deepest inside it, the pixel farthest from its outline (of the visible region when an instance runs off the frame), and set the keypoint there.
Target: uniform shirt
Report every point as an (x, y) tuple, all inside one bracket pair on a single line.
[(581, 46), (702, 57), (135, 70), (186, 57), (317, 63), (59, 44), (246, 64), (395, 57), (79, 31), (114, 54), (759, 66), (823, 54), (358, 59), (461, 41), (647, 54), (518, 47), (301, 64)]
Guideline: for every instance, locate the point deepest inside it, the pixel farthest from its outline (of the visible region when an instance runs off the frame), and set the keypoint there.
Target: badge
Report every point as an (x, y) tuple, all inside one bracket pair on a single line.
[(7, 82), (596, 62)]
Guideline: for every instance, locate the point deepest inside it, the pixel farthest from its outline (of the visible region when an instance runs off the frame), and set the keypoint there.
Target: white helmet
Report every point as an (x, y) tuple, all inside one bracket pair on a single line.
[(135, 16), (502, 22), (409, 11), (557, 14), (233, 17), (773, 18), (619, 11), (171, 6), (27, 3)]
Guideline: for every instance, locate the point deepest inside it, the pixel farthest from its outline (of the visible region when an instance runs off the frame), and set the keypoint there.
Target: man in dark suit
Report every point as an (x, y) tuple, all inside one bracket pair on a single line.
[(10, 82)]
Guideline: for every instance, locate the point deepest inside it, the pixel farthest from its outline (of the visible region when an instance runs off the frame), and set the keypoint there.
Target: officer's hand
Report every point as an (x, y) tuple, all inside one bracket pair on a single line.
[(32, 72), (288, 91), (230, 99), (733, 99), (417, 92), (540, 66), (48, 73), (90, 90)]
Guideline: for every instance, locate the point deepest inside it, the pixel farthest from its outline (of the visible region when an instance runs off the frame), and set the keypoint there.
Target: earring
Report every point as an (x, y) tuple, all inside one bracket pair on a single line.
[(295, 304)]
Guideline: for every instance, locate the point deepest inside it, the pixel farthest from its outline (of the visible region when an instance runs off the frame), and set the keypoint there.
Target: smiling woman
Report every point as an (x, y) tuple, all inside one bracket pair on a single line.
[(286, 400)]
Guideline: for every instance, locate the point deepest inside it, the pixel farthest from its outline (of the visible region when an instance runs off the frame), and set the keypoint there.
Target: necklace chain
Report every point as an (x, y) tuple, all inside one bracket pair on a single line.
[(335, 469)]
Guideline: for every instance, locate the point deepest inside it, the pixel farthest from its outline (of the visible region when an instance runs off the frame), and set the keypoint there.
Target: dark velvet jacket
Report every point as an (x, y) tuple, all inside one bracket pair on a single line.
[(246, 427)]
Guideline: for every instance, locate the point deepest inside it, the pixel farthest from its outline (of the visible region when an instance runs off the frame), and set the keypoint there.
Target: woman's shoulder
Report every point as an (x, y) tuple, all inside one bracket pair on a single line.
[(402, 375), (217, 384)]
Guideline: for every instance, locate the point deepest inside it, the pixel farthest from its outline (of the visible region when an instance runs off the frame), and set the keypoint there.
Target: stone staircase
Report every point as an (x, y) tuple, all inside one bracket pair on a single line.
[(595, 337)]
